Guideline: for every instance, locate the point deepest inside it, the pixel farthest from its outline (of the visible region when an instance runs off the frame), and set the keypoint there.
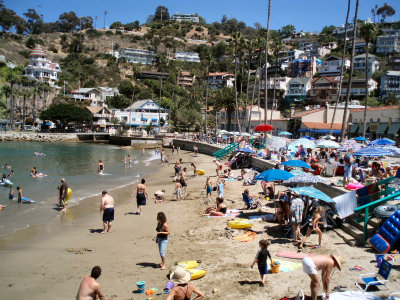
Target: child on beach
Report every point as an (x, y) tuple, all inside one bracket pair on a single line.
[(178, 190), (19, 189), (208, 187), (221, 185), (313, 226), (125, 161), (261, 260), (194, 169)]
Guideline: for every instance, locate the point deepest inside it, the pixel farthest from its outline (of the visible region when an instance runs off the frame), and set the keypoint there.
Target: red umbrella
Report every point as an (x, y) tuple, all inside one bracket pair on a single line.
[(264, 127)]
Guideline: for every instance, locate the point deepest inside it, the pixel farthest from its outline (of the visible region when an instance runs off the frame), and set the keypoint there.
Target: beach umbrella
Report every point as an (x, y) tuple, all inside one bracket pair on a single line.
[(306, 178), (274, 175), (276, 142), (264, 127), (312, 192), (350, 144), (360, 139), (382, 142), (305, 142), (309, 138), (245, 134), (395, 151), (373, 152), (328, 137), (327, 144), (296, 163), (296, 172), (244, 150), (284, 133), (223, 132)]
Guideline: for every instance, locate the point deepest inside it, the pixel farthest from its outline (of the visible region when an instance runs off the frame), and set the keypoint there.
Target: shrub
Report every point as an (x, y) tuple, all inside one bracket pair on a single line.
[(109, 32), (93, 33), (53, 49), (24, 53), (199, 29)]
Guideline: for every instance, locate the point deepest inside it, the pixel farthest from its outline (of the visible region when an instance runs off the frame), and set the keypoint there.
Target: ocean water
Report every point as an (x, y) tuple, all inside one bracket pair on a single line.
[(76, 162)]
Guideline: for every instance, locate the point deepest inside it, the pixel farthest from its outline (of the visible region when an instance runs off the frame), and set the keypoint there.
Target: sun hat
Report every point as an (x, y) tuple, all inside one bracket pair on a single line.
[(179, 275), (339, 260)]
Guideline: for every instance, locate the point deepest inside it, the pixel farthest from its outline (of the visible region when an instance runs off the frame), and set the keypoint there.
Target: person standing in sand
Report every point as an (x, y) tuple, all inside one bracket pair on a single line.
[(296, 213), (130, 160), (178, 190), (162, 237), (100, 167), (107, 208), (141, 196), (90, 288), (183, 290), (325, 263), (194, 169), (124, 161), (182, 180), (63, 192), (219, 166)]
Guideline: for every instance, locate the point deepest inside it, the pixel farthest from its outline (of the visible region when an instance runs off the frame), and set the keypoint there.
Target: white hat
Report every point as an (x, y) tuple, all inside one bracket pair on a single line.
[(179, 275)]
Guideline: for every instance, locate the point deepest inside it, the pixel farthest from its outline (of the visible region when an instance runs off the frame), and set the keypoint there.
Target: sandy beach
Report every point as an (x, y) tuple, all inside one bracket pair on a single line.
[(49, 261)]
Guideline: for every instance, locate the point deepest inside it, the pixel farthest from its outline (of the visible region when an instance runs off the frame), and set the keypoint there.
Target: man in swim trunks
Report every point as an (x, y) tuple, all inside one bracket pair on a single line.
[(100, 168), (325, 263), (141, 196), (63, 192), (219, 166), (90, 288), (107, 208)]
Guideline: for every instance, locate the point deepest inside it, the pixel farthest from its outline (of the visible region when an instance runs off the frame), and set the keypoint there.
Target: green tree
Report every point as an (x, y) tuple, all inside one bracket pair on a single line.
[(368, 32), (85, 23), (116, 25), (288, 30), (237, 42), (66, 113), (119, 102), (68, 22), (12, 78), (328, 30), (126, 88), (161, 13), (266, 60), (34, 20), (8, 18), (225, 99), (136, 25), (385, 11)]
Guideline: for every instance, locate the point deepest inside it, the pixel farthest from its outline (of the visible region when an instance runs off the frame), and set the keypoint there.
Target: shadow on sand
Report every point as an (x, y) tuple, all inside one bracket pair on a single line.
[(147, 265), (96, 230)]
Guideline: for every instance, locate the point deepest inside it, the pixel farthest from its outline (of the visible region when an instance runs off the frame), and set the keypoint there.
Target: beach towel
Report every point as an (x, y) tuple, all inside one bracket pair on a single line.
[(287, 266), (345, 204), (230, 179), (353, 295), (293, 254), (266, 217), (229, 213)]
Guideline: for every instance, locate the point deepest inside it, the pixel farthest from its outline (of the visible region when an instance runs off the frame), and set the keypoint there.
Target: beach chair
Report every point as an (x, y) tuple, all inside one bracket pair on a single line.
[(376, 279)]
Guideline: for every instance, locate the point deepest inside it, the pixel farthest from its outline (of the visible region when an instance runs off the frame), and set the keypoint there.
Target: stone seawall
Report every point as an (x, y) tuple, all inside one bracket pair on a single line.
[(38, 137)]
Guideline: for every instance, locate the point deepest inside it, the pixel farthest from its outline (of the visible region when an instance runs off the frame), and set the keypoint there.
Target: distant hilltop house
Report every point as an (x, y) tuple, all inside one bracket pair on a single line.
[(390, 84), (94, 95), (185, 17), (389, 42), (142, 113), (219, 80), (41, 68), (136, 56), (187, 56), (8, 63), (332, 65)]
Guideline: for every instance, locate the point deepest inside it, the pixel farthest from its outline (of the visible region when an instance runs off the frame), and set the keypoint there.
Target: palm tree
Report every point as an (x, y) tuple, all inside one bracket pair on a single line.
[(35, 93), (12, 78), (368, 32), (277, 46), (266, 60), (236, 43), (210, 61), (26, 92), (250, 46), (346, 104), (341, 67)]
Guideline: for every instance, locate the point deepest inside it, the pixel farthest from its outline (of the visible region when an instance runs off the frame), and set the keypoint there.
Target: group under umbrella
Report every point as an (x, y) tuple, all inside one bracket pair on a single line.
[(312, 192), (296, 163), (274, 175)]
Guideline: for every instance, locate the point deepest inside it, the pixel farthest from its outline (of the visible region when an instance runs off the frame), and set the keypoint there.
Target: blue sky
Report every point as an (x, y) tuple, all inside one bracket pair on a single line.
[(307, 15)]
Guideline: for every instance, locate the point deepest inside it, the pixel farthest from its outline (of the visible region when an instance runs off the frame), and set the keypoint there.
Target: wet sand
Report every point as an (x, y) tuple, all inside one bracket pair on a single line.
[(49, 261)]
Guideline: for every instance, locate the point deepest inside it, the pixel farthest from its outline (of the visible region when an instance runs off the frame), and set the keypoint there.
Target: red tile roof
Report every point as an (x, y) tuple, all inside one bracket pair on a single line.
[(390, 107), (321, 125), (307, 112), (329, 78)]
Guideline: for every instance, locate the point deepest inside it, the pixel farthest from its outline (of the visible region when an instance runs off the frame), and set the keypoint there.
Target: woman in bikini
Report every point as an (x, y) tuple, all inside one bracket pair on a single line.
[(182, 290), (219, 210)]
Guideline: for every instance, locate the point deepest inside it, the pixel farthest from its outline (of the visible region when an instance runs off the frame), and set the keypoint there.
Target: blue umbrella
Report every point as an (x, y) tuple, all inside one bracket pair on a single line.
[(306, 178), (312, 192), (284, 133), (309, 138), (360, 139), (245, 150), (308, 144), (382, 142), (296, 172), (296, 163), (274, 175), (373, 152)]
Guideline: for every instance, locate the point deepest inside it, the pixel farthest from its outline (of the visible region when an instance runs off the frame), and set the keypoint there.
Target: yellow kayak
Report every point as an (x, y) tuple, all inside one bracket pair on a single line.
[(240, 224), (188, 264), (200, 172), (197, 273)]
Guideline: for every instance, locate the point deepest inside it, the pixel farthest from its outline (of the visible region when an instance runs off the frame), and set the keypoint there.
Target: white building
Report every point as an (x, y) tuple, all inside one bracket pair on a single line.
[(219, 80), (108, 92), (389, 42), (95, 96), (315, 49), (358, 87), (332, 65), (390, 84), (279, 83), (187, 56), (359, 63), (42, 68), (289, 55), (137, 56), (298, 89), (185, 17), (142, 113), (340, 30)]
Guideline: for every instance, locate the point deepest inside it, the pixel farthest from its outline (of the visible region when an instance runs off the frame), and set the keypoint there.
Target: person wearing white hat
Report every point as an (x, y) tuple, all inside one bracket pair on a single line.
[(325, 263), (183, 289)]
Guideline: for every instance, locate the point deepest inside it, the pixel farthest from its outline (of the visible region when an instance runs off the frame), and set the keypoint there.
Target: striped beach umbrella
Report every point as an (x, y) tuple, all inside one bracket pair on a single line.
[(382, 142), (306, 178), (373, 152), (327, 144), (305, 142), (350, 144), (276, 142), (312, 192)]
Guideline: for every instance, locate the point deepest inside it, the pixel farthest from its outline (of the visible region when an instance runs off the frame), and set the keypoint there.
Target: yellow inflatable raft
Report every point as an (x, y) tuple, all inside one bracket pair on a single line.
[(200, 172), (192, 266), (69, 193), (240, 224)]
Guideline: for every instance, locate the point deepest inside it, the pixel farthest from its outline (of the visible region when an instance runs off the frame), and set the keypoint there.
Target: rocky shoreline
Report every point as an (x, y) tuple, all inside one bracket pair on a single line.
[(38, 137)]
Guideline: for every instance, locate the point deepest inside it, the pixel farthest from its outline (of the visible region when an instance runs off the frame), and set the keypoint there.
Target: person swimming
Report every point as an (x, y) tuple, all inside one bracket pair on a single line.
[(100, 169)]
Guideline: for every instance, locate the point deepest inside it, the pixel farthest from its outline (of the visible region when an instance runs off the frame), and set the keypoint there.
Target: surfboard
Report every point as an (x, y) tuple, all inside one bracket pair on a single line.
[(27, 200)]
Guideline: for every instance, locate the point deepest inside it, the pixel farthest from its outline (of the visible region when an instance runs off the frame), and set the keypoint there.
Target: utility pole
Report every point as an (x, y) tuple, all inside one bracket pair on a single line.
[(95, 22), (105, 14), (159, 106)]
